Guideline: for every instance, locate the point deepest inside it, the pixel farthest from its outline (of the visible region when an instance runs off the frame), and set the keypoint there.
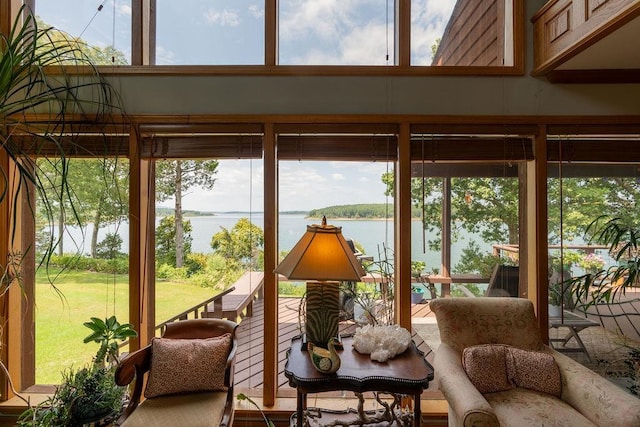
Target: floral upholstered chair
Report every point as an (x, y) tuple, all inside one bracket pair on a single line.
[(494, 370), (188, 376)]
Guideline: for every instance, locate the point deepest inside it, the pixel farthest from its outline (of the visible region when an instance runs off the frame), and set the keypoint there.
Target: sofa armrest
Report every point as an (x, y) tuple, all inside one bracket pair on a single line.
[(596, 397), (132, 368), (466, 402)]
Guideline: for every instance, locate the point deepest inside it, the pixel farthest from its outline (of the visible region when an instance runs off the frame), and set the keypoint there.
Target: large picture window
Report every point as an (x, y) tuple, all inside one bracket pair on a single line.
[(222, 32)]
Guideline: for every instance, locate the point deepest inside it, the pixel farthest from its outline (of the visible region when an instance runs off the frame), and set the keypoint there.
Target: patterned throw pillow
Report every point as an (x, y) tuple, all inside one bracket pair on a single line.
[(187, 365), (499, 367), (534, 370), (486, 367)]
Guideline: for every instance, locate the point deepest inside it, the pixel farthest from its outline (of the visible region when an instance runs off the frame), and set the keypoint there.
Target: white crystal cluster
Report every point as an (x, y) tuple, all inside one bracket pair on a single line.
[(381, 342)]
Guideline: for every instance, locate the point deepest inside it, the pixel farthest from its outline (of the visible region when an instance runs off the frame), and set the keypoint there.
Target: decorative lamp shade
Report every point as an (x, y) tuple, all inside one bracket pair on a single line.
[(321, 254)]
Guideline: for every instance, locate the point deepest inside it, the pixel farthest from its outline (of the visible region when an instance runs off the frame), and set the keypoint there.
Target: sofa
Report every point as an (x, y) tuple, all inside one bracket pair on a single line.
[(494, 370)]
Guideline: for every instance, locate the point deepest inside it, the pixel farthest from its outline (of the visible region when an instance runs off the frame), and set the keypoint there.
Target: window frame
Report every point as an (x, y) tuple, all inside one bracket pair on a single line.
[(143, 46)]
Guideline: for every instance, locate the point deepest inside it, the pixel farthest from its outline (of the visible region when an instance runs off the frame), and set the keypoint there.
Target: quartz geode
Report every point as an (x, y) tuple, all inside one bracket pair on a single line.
[(381, 342)]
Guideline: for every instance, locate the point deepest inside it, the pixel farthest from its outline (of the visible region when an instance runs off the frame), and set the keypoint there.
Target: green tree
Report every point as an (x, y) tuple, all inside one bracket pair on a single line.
[(96, 55), (84, 191), (173, 179), (166, 240), (110, 247), (88, 187), (434, 47), (488, 207), (243, 243)]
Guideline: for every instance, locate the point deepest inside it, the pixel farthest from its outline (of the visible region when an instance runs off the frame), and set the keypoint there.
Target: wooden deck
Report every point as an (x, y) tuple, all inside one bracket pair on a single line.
[(249, 359), (239, 302), (622, 315)]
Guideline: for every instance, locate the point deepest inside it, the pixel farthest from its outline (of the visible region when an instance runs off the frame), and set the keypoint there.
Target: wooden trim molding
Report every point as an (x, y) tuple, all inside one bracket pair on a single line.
[(564, 28)]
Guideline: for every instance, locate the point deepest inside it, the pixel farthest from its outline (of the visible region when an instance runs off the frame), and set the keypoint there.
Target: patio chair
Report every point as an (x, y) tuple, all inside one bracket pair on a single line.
[(504, 281), (509, 377), (188, 376)]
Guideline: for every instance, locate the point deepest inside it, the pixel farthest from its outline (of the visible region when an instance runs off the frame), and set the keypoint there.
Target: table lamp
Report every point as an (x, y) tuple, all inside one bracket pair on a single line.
[(323, 258)]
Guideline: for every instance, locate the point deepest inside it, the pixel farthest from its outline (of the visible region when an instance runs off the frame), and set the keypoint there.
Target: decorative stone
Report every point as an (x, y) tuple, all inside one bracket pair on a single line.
[(381, 342)]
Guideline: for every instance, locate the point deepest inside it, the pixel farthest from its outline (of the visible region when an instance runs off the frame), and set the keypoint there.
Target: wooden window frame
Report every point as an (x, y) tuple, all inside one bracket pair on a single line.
[(143, 50)]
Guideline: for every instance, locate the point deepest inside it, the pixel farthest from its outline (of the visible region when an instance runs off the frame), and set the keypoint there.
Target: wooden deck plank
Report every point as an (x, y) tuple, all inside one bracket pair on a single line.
[(239, 302)]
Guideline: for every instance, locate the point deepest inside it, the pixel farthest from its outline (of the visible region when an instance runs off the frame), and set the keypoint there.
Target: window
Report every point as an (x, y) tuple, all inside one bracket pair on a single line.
[(586, 180), (348, 32), (222, 32), (316, 179), (104, 27), (86, 275), (477, 33)]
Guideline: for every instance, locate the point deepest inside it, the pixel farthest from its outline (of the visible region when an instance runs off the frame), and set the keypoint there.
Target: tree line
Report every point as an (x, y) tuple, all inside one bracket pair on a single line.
[(358, 211)]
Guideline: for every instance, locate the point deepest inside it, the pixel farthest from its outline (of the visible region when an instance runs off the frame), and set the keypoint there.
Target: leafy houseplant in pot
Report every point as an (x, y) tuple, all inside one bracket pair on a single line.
[(417, 294), (417, 291), (555, 299), (88, 394)]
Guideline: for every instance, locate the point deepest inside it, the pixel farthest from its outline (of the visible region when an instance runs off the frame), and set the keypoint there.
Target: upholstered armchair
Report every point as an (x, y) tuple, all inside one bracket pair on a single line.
[(187, 376), (519, 392)]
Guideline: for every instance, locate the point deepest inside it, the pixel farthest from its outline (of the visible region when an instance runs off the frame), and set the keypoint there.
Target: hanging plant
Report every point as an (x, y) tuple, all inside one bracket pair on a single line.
[(42, 109)]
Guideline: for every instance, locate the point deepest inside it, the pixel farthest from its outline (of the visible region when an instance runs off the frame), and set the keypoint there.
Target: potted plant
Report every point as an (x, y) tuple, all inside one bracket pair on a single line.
[(555, 299), (417, 294), (88, 394)]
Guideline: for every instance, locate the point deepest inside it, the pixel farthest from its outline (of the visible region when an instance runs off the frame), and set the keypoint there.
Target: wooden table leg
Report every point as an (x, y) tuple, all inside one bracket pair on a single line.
[(301, 403), (417, 413)]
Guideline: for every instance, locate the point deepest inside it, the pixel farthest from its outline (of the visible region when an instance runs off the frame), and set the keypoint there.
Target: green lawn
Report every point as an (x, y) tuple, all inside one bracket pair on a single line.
[(82, 295)]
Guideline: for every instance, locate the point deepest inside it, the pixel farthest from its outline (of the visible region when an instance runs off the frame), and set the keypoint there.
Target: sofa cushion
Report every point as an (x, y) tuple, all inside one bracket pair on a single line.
[(194, 409), (498, 367), (187, 365), (534, 370), (486, 367), (522, 407)]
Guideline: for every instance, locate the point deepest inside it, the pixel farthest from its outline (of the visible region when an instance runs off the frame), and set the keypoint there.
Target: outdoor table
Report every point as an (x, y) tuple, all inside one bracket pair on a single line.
[(575, 324)]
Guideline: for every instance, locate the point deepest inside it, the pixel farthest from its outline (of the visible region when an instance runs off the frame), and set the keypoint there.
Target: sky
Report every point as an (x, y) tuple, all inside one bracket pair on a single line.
[(231, 31), (304, 185), (352, 32)]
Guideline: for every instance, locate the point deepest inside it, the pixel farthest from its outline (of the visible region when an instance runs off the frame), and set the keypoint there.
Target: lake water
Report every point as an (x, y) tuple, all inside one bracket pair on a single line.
[(372, 235)]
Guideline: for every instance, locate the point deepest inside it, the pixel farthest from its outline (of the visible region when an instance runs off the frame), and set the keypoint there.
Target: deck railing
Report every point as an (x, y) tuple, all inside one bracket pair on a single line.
[(195, 311)]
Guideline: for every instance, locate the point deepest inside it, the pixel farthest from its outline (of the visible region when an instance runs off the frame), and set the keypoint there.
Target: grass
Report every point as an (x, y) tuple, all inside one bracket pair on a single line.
[(80, 295)]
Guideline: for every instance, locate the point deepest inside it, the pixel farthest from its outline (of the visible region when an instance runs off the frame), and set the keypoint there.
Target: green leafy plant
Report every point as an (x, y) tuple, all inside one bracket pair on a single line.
[(89, 393), (108, 333), (37, 109), (417, 267), (623, 239), (267, 421), (555, 294)]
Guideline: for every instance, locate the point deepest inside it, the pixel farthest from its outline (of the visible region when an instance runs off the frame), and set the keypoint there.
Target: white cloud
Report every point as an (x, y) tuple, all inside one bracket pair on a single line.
[(366, 45), (429, 19), (225, 18), (302, 186), (321, 18), (256, 11), (164, 56), (123, 9), (238, 187)]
